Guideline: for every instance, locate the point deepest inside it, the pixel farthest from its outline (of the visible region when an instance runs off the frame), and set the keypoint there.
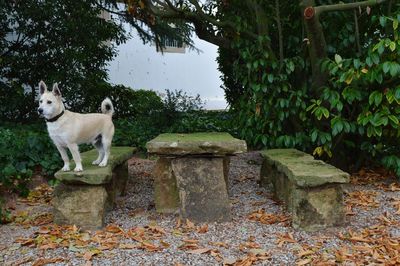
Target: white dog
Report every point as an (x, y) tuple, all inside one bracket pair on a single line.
[(68, 129)]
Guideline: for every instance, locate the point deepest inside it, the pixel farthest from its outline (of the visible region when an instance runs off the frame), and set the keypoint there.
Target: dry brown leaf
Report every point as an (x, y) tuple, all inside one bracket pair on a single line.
[(127, 246), (44, 261), (306, 253), (267, 218), (164, 244), (303, 262), (191, 241), (199, 251), (203, 229), (219, 244), (285, 238), (113, 228), (189, 224)]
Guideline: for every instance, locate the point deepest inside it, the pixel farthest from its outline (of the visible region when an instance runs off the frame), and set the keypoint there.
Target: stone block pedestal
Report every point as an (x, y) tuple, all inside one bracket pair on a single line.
[(191, 175), (84, 198)]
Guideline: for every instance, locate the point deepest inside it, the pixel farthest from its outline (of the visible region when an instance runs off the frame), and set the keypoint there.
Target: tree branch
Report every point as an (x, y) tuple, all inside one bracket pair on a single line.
[(346, 6), (198, 18)]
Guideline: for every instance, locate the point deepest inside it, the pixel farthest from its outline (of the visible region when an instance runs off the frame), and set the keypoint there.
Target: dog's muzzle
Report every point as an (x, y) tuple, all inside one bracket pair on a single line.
[(40, 111)]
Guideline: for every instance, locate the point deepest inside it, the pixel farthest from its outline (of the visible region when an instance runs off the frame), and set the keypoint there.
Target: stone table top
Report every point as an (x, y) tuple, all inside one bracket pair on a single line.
[(93, 174), (213, 143), (302, 169)]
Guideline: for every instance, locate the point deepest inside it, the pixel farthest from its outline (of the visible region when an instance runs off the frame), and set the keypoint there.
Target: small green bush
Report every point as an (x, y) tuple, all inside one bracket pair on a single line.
[(205, 121), (23, 150)]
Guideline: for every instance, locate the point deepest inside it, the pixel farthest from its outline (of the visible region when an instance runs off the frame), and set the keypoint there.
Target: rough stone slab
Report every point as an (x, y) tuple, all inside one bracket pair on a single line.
[(83, 205), (313, 201), (93, 174), (302, 169), (202, 189), (318, 207), (196, 143), (166, 196)]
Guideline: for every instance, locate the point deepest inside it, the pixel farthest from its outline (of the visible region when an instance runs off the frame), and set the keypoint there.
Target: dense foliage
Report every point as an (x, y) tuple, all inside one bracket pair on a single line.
[(51, 40), (351, 117)]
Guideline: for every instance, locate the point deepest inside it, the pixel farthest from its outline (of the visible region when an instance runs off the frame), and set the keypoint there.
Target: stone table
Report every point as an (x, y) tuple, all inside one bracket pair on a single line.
[(191, 174), (82, 198)]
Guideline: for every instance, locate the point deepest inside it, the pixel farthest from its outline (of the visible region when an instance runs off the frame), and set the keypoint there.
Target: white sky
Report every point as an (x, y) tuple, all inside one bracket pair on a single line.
[(139, 66)]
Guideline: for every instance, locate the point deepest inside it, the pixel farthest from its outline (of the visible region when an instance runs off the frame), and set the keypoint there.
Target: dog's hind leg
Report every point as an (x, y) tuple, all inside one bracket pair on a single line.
[(99, 147), (65, 157), (74, 149), (106, 149)]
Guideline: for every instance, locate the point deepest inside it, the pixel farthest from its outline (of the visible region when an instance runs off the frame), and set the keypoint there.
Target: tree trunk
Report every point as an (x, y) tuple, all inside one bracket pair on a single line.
[(316, 42)]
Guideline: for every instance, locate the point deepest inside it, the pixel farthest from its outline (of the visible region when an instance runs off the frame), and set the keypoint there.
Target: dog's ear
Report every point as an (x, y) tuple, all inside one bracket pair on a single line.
[(42, 87), (56, 90)]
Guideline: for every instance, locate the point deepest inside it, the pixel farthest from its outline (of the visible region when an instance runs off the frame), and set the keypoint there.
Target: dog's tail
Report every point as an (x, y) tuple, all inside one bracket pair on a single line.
[(107, 107)]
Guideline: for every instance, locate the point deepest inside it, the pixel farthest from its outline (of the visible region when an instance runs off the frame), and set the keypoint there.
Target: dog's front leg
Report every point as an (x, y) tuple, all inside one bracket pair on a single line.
[(74, 149), (64, 156)]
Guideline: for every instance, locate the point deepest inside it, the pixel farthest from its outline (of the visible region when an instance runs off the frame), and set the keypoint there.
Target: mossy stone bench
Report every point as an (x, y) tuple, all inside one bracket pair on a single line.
[(191, 174), (82, 198), (311, 189)]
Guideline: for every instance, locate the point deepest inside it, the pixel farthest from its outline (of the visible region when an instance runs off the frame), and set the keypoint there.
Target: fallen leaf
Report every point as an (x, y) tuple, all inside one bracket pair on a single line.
[(127, 246), (303, 262), (203, 229), (219, 244), (44, 261), (258, 251), (199, 251), (115, 229), (305, 253)]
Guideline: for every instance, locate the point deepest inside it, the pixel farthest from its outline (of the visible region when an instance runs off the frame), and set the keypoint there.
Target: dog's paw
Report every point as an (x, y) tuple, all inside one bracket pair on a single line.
[(65, 168), (95, 162), (78, 169), (102, 164)]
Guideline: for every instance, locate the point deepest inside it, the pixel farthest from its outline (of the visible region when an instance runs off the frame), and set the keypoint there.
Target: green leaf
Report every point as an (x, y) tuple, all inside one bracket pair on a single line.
[(375, 58), (394, 119), (338, 59), (392, 46), (395, 24), (386, 67), (270, 78), (394, 69), (375, 98), (382, 21)]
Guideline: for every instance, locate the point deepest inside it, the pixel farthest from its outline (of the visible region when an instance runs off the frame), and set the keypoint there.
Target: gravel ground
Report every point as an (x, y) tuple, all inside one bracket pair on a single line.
[(169, 241)]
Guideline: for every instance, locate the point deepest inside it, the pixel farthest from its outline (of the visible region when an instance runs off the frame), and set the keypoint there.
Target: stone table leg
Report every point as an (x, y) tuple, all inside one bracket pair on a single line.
[(82, 205), (202, 188), (166, 195)]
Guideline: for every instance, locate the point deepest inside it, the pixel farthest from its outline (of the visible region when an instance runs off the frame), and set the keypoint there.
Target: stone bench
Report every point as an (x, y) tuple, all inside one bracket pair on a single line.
[(191, 174), (311, 189), (82, 198)]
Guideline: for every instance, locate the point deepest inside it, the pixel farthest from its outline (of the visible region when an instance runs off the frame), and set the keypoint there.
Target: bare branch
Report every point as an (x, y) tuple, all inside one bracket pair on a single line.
[(346, 6)]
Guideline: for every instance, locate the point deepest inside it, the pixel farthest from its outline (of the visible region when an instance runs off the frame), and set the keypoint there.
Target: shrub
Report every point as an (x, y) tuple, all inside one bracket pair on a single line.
[(128, 103), (205, 121), (350, 121), (23, 151)]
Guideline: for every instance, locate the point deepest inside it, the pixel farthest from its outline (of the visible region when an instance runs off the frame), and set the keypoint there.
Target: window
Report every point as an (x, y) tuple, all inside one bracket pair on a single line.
[(171, 46)]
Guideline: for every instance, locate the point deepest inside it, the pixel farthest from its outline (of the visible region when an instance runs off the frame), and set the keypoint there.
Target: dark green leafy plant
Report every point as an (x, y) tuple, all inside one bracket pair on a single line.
[(23, 151)]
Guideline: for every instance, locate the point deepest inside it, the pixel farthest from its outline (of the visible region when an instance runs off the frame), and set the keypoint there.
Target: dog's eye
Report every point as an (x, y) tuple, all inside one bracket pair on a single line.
[(41, 101), (48, 102)]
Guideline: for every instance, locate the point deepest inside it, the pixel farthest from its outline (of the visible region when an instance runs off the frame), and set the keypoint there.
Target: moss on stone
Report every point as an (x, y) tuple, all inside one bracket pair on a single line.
[(214, 143), (93, 174), (302, 169)]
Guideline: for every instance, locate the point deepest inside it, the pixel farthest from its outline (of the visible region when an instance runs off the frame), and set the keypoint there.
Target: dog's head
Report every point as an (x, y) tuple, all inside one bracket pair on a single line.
[(50, 103)]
